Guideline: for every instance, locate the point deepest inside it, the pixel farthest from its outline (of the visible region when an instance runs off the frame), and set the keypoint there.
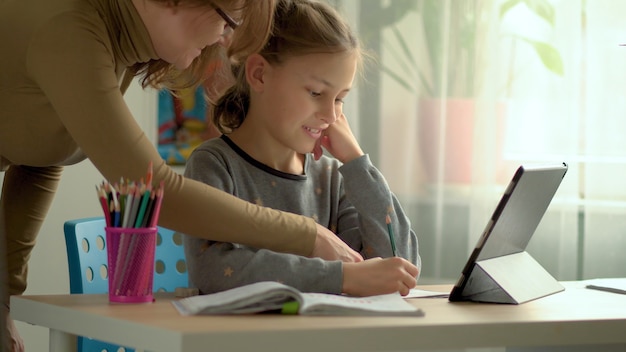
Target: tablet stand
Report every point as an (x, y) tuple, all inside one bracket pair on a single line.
[(514, 279)]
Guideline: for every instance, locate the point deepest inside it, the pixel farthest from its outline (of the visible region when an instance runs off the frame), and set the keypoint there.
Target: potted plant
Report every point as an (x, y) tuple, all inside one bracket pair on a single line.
[(446, 71), (468, 23)]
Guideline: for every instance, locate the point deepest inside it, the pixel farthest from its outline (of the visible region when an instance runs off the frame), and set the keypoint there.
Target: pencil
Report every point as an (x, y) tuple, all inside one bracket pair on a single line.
[(115, 214), (133, 211), (149, 208), (122, 200), (103, 202), (391, 237), (115, 211), (142, 207), (154, 219), (129, 204)]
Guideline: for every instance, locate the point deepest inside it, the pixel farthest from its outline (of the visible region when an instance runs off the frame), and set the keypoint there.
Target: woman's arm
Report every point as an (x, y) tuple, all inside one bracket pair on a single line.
[(218, 266)]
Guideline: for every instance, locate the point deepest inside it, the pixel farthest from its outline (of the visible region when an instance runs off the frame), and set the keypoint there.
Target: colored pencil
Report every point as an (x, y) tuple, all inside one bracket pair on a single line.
[(115, 211), (103, 203), (129, 204), (142, 208), (149, 209), (391, 236), (133, 211), (154, 219)]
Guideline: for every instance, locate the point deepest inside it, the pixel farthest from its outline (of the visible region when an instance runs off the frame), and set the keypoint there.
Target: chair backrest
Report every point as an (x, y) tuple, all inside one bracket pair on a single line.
[(170, 267), (85, 241)]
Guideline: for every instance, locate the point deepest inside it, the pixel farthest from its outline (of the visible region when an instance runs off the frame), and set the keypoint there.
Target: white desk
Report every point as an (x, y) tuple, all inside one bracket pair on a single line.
[(577, 316)]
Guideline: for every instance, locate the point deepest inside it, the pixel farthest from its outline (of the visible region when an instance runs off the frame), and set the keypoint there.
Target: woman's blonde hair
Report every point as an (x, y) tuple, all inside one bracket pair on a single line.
[(252, 33), (300, 27)]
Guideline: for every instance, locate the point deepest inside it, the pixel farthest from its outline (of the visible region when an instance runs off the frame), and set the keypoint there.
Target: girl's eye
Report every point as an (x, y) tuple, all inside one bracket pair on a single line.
[(314, 94), (339, 101)]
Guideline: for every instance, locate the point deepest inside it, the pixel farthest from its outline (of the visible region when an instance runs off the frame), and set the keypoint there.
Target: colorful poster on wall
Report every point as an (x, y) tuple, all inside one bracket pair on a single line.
[(182, 117), (182, 124)]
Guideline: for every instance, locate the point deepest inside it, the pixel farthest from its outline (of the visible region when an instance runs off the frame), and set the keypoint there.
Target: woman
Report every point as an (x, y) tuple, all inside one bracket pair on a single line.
[(60, 102)]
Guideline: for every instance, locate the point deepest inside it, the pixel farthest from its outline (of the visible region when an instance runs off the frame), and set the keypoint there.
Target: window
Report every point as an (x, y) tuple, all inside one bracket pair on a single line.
[(464, 91)]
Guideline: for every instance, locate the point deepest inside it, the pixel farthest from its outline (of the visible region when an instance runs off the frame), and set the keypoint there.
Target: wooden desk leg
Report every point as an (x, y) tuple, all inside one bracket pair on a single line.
[(62, 342)]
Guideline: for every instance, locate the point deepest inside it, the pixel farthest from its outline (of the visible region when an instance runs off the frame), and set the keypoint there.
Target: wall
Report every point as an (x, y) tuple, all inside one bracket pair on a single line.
[(76, 198)]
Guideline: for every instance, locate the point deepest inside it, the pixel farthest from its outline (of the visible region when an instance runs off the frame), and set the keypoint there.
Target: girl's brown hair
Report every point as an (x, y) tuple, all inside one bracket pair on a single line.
[(256, 17), (300, 27)]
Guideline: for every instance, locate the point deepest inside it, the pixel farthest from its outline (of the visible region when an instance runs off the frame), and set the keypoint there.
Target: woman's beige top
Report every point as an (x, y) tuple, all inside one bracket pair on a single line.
[(60, 66)]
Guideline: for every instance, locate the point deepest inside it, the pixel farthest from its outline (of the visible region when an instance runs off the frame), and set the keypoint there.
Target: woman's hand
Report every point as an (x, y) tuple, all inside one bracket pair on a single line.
[(339, 141), (378, 276), (14, 341), (330, 247)]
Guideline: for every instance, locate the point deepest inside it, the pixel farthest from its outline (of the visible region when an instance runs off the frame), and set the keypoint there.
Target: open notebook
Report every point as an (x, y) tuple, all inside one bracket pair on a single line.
[(271, 296)]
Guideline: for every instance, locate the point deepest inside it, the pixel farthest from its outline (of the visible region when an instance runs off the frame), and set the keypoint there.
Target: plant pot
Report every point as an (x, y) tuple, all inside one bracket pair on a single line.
[(456, 122)]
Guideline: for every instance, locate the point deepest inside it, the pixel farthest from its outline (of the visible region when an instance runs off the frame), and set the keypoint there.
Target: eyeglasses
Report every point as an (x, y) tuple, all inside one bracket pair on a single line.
[(229, 20)]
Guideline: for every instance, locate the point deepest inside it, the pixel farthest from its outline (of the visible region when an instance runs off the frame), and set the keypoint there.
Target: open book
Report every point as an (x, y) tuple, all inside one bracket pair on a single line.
[(273, 296)]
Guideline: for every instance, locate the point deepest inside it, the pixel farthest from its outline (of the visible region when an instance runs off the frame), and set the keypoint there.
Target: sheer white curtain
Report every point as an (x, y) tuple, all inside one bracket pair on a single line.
[(460, 95)]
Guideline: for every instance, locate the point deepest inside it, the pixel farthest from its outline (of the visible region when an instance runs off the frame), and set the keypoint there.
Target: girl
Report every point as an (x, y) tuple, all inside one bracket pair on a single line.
[(287, 103)]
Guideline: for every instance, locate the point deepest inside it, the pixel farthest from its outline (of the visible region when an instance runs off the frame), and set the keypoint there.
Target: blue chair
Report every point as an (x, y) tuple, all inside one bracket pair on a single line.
[(85, 241)]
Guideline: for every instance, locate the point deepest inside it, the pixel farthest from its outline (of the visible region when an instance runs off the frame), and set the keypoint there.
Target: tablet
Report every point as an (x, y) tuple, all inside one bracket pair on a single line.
[(499, 270)]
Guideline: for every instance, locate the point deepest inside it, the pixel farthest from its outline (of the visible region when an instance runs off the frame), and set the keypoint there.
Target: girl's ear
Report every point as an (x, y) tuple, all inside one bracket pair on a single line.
[(256, 70)]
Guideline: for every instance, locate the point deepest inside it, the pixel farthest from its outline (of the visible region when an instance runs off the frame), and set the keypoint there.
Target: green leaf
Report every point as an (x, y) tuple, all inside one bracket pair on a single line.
[(549, 56), (542, 8), (403, 45), (507, 6), (399, 79)]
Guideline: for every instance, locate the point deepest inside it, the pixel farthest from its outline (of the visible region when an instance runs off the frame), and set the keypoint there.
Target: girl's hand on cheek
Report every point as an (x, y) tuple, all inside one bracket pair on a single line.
[(340, 142), (317, 150)]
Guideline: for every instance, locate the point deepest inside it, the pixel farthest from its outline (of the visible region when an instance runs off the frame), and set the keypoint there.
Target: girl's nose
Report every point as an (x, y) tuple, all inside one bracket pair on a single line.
[(329, 115)]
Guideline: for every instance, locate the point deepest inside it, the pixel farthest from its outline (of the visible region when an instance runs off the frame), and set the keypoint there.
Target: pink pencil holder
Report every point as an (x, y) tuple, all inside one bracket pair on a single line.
[(130, 254)]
